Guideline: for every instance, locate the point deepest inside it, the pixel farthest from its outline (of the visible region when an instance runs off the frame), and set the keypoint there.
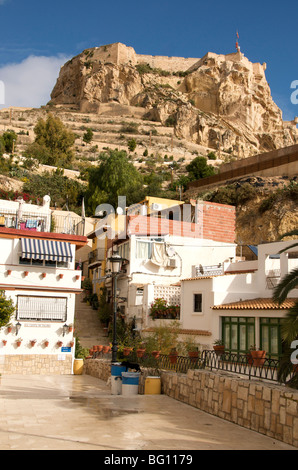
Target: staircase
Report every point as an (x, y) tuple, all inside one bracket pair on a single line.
[(88, 328)]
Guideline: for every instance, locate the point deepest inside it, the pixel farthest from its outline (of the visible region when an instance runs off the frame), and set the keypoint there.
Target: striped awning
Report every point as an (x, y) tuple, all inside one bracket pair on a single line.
[(48, 250)]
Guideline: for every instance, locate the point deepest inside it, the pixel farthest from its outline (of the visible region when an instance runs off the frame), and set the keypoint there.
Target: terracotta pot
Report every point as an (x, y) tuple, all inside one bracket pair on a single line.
[(173, 357), (9, 329), (26, 273), (44, 275), (4, 342), (193, 355), (127, 351), (156, 354), (71, 344), (106, 349), (59, 344), (8, 272), (258, 357), (32, 343), (46, 343), (19, 343), (140, 352), (61, 276), (219, 350)]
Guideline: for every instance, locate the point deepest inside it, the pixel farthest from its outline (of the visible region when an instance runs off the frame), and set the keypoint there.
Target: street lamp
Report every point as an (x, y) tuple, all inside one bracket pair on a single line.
[(116, 262)]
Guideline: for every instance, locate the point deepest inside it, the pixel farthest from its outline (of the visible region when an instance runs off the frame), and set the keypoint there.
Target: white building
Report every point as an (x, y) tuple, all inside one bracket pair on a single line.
[(236, 306), (159, 252), (37, 271)]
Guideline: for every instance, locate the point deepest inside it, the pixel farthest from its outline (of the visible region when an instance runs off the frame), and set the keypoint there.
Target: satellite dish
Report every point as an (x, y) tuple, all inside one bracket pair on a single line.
[(171, 251)]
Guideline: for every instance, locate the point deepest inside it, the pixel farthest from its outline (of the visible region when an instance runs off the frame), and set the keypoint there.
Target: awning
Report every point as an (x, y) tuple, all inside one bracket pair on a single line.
[(48, 250)]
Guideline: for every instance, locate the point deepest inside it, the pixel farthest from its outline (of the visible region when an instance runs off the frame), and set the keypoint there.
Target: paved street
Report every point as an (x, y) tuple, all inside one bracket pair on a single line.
[(79, 413)]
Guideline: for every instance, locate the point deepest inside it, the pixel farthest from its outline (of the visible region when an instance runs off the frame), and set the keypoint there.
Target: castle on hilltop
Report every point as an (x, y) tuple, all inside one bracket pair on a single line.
[(120, 54)]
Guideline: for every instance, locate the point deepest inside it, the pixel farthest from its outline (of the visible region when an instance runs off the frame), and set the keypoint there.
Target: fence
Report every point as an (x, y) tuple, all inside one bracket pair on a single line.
[(233, 363)]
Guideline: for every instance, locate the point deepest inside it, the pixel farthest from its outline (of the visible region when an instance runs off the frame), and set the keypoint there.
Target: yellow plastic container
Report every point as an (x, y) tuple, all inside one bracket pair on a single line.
[(78, 365), (153, 386)]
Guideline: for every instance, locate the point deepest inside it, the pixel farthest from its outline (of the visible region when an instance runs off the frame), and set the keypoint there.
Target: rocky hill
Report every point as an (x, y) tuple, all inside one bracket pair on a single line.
[(175, 109), (222, 102)]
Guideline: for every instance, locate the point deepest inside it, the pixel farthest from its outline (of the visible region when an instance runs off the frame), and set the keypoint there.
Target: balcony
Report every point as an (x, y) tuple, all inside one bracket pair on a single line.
[(96, 256)]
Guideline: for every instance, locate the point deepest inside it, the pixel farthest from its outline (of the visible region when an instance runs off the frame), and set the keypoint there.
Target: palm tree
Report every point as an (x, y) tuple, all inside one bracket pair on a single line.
[(290, 325)]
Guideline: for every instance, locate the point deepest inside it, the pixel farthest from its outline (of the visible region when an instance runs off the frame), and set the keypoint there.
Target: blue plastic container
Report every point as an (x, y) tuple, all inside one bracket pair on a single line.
[(130, 383), (117, 369), (116, 378)]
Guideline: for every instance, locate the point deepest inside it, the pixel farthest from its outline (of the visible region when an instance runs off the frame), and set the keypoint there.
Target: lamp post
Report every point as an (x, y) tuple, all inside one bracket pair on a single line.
[(116, 262)]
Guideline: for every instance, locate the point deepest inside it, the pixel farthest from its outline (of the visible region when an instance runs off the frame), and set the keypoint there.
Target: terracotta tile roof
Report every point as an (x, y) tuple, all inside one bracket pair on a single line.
[(256, 304), (227, 273), (185, 332)]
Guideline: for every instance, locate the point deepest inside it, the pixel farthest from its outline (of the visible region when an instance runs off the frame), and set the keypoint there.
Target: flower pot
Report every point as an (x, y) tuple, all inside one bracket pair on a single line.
[(26, 273), (140, 352), (43, 275), (32, 343), (46, 344), (9, 329), (106, 349), (77, 277), (8, 272), (258, 357), (61, 276), (193, 355), (71, 344), (59, 344), (19, 343), (127, 351), (219, 350), (173, 357), (156, 354), (4, 342)]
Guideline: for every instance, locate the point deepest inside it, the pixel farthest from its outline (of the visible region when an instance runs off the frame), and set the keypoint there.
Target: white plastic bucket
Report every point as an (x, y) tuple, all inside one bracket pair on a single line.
[(130, 383)]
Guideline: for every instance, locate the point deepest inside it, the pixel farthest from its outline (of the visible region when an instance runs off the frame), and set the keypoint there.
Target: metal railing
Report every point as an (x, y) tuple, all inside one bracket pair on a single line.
[(232, 363)]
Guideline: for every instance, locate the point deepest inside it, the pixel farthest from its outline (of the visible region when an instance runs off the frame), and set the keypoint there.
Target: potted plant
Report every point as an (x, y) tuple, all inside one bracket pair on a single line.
[(33, 342), (192, 350), (173, 356), (140, 351), (43, 275), (19, 342), (70, 328), (26, 273), (106, 349), (4, 342), (258, 356), (219, 347), (59, 344), (46, 343), (71, 344), (9, 328), (61, 276)]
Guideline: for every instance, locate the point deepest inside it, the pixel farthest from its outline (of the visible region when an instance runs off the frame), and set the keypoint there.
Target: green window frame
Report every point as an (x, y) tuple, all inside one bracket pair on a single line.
[(271, 337), (238, 333)]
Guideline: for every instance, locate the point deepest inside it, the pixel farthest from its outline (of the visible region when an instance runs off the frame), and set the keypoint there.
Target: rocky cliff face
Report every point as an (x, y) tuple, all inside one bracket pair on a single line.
[(220, 102)]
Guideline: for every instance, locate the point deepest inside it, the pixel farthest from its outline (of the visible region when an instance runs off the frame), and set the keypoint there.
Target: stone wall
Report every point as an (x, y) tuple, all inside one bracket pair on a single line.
[(266, 408), (39, 364)]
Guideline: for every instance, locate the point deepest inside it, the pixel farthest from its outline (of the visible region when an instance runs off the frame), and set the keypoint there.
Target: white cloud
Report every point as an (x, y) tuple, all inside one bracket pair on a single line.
[(30, 82)]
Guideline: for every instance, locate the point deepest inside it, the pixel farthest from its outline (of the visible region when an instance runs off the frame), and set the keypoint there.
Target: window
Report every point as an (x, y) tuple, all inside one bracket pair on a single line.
[(238, 333), (42, 308), (197, 303), (270, 336), (40, 262), (144, 247)]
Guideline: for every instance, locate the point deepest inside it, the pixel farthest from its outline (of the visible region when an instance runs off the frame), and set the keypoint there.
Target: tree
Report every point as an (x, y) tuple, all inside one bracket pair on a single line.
[(8, 140), (199, 168), (132, 144), (290, 326), (115, 176), (7, 309), (88, 136), (53, 142)]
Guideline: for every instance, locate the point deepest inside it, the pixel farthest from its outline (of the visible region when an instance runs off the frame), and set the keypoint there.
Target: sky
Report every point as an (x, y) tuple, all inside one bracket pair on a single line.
[(37, 38)]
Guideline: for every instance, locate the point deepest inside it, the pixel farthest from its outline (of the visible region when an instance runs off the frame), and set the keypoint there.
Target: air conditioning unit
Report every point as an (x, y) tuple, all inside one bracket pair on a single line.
[(157, 207), (173, 263)]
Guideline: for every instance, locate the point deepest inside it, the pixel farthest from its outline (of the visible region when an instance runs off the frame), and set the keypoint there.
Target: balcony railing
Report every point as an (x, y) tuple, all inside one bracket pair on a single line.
[(96, 255)]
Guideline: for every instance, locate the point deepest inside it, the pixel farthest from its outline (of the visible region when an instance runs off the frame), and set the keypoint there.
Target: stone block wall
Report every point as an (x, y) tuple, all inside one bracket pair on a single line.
[(39, 364), (266, 408), (262, 407)]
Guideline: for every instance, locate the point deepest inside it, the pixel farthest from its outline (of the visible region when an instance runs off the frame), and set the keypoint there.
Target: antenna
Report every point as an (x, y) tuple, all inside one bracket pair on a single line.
[(237, 42)]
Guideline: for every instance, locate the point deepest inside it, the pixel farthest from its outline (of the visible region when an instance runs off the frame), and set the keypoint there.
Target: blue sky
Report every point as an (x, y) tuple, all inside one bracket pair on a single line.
[(38, 37)]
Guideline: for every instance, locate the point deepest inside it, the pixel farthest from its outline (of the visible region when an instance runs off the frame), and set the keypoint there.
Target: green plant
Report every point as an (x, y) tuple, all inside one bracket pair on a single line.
[(87, 284), (164, 338), (7, 309), (218, 342), (80, 352)]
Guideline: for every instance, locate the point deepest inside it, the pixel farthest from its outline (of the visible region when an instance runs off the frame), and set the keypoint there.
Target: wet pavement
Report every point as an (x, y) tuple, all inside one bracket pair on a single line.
[(79, 413)]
